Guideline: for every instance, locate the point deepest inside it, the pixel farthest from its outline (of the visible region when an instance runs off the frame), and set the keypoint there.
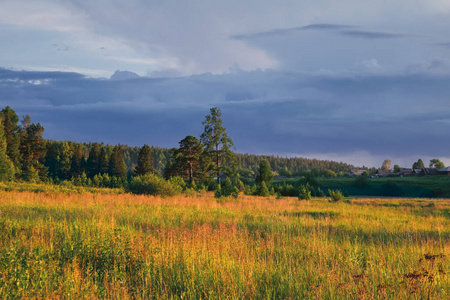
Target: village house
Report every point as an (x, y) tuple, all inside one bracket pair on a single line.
[(356, 172), (444, 171)]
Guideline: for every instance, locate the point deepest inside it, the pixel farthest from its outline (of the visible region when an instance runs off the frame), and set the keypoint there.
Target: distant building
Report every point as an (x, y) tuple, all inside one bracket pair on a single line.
[(428, 172), (384, 173), (444, 171), (405, 172), (356, 172), (415, 172)]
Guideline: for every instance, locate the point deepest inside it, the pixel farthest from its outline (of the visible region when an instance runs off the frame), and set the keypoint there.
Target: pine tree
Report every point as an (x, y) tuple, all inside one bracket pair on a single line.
[(103, 163), (12, 135), (117, 166), (217, 144), (263, 190), (32, 149), (144, 161), (52, 159), (189, 155), (77, 161), (93, 161), (6, 165), (264, 174), (65, 161), (173, 167)]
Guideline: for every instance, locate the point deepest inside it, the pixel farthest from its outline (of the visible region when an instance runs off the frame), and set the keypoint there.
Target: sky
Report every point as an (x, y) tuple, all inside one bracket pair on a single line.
[(352, 80)]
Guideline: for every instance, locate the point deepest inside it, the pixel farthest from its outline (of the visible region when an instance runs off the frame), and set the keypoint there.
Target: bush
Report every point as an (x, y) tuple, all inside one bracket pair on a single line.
[(304, 193), (320, 193), (286, 190), (226, 189), (210, 184), (309, 177), (178, 184), (335, 195), (263, 190), (151, 184)]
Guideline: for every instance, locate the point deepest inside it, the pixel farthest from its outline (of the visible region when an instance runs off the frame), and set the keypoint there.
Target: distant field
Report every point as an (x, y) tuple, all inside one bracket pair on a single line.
[(72, 245), (422, 187)]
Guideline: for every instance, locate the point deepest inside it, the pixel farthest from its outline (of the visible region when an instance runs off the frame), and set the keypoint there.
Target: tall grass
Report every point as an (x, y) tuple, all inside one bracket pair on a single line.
[(71, 245)]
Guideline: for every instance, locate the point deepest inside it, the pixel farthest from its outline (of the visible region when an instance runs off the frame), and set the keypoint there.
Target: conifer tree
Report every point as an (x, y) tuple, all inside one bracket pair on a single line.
[(93, 161), (103, 164), (65, 161), (264, 174), (6, 166), (189, 156), (217, 144), (173, 166), (32, 150), (144, 161), (12, 135), (77, 161), (117, 166), (52, 158)]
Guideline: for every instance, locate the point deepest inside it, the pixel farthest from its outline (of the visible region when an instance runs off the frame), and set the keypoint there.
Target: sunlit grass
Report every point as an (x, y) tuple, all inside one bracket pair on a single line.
[(72, 245)]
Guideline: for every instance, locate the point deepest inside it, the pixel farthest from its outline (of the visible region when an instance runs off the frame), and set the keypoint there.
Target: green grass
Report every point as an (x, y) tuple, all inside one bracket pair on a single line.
[(119, 246), (65, 187), (424, 187)]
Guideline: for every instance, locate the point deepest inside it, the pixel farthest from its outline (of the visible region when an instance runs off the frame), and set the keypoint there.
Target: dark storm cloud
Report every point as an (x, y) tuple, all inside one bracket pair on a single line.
[(291, 31), (371, 34), (263, 111), (37, 75), (338, 29)]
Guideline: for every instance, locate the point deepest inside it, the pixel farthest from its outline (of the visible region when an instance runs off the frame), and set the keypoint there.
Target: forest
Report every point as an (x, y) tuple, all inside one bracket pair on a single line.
[(205, 163), (27, 156)]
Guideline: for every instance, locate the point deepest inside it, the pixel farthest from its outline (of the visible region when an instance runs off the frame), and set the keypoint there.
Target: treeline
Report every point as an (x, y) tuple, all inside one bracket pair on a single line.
[(287, 166), (207, 162)]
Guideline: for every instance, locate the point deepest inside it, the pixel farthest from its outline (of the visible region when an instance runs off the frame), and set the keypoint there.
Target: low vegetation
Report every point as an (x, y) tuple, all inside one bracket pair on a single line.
[(122, 246)]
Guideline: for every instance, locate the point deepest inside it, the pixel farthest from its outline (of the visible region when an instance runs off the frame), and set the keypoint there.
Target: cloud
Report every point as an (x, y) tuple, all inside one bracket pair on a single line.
[(335, 28), (371, 34), (263, 111), (290, 31), (445, 45)]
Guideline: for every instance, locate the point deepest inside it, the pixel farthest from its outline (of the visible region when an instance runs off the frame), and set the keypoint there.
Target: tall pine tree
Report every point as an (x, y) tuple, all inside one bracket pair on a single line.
[(32, 150), (93, 161), (103, 163), (217, 144), (117, 166), (189, 155), (6, 166), (264, 174), (144, 161), (12, 135)]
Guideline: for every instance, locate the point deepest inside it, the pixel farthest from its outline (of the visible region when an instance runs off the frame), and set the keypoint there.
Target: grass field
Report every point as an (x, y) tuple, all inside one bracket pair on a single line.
[(121, 246), (427, 186)]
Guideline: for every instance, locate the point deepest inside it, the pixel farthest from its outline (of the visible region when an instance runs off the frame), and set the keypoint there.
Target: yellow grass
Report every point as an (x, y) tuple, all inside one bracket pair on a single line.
[(59, 245)]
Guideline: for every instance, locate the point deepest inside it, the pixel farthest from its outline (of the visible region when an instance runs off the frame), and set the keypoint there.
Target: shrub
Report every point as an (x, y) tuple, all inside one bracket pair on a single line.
[(178, 184), (210, 184), (263, 190), (335, 195), (226, 189), (304, 193), (151, 184), (309, 178), (320, 193), (286, 190)]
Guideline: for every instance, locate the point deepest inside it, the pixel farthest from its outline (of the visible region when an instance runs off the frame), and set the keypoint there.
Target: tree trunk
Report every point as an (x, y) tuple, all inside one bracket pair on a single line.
[(218, 163)]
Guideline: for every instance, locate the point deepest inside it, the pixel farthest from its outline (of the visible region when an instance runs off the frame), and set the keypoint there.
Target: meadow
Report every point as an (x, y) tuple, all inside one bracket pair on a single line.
[(92, 245), (422, 187)]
